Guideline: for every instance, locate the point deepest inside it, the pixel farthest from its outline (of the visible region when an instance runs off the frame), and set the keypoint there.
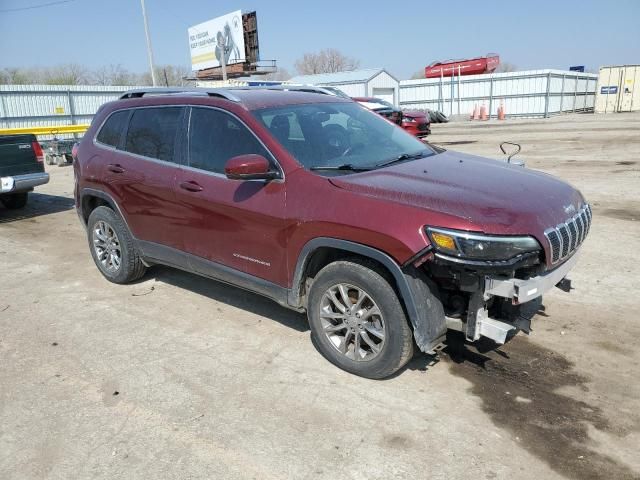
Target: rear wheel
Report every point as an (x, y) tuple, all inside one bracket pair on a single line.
[(112, 247), (357, 320), (15, 200)]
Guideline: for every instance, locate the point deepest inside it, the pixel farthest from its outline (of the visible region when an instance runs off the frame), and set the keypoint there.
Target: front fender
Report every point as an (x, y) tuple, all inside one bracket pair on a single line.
[(423, 308)]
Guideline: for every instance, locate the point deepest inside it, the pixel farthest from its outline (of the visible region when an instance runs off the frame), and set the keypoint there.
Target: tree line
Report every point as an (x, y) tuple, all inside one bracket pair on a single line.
[(328, 60), (325, 61), (75, 74)]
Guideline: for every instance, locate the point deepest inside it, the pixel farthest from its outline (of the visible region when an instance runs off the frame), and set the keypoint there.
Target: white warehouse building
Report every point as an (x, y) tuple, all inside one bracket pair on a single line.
[(373, 82)]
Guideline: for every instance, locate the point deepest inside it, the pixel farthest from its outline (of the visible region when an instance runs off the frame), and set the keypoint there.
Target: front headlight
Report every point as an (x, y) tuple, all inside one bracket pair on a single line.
[(480, 247)]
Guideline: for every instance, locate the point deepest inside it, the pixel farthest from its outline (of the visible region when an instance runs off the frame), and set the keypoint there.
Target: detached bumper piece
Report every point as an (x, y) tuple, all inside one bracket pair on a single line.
[(22, 183), (477, 322), (521, 291)]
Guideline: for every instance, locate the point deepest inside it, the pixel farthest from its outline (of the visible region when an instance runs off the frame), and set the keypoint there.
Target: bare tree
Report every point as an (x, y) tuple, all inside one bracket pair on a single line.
[(417, 75), (325, 61), (68, 74), (16, 76), (74, 74), (167, 75), (113, 75), (506, 67)]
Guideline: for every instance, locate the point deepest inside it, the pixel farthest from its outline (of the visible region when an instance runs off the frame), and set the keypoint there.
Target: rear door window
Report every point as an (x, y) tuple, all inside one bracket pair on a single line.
[(152, 132), (112, 129), (215, 137)]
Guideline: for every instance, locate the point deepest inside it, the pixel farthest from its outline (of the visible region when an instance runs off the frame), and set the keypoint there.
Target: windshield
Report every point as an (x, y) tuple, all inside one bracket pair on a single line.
[(340, 135)]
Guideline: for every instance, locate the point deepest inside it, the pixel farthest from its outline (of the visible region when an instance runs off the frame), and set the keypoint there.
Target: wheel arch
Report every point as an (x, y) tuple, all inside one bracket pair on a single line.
[(425, 312), (90, 199)]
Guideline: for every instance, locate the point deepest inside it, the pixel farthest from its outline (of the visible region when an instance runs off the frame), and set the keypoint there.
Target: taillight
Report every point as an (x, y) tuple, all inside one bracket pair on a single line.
[(37, 149), (74, 151)]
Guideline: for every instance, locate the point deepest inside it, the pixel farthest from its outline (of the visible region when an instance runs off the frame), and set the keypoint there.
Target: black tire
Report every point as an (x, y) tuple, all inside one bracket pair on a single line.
[(442, 118), (14, 201), (397, 348), (131, 267)]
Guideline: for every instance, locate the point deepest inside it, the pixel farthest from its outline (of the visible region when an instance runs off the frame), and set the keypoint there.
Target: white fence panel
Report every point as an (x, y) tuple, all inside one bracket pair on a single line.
[(527, 94), (24, 106)]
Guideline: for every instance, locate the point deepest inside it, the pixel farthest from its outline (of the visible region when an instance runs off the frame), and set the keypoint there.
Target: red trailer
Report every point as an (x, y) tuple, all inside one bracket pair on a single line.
[(470, 66)]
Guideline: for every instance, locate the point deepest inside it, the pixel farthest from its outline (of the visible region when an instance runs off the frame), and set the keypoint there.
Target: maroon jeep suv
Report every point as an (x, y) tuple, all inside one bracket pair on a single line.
[(325, 207)]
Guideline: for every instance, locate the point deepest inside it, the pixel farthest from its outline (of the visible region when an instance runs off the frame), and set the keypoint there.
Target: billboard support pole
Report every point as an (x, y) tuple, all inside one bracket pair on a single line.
[(149, 50), (223, 64)]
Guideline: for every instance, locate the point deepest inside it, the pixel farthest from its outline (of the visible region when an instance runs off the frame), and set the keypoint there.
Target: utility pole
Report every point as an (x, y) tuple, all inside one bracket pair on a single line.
[(149, 50)]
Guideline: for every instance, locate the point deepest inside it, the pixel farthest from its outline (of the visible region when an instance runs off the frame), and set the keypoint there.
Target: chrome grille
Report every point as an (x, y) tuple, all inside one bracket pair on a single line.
[(580, 225), (573, 233), (565, 238)]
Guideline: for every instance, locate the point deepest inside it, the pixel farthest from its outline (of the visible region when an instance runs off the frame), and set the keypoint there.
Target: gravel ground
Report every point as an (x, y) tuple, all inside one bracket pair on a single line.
[(179, 377)]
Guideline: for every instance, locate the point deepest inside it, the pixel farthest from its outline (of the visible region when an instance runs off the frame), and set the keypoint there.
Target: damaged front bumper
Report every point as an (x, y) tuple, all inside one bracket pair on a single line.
[(477, 322)]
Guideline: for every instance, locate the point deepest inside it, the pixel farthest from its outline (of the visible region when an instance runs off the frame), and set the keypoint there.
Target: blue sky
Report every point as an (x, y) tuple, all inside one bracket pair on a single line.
[(400, 36)]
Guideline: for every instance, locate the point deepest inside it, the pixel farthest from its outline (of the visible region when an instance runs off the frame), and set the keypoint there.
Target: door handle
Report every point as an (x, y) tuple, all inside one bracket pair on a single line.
[(115, 168), (191, 186)]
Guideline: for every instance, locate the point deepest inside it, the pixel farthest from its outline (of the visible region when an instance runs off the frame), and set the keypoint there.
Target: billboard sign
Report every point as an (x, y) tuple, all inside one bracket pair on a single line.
[(209, 41)]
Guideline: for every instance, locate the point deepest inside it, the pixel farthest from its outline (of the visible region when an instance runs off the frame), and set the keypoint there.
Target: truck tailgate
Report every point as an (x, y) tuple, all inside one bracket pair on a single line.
[(17, 155)]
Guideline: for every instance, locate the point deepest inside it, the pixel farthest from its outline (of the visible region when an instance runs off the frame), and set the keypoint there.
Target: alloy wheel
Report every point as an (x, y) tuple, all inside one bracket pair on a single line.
[(352, 322), (107, 246)]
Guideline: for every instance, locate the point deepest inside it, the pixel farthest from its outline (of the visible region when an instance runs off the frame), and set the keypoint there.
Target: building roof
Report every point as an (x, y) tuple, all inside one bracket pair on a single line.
[(353, 76)]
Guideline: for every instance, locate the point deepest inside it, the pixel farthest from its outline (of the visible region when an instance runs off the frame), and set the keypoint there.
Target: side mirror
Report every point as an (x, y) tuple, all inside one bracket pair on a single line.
[(249, 167)]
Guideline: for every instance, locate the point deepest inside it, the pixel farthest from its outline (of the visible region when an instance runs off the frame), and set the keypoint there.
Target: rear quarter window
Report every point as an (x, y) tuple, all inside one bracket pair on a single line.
[(112, 129), (152, 132)]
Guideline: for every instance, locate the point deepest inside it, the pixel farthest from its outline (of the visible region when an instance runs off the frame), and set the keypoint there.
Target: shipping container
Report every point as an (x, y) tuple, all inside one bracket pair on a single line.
[(618, 89)]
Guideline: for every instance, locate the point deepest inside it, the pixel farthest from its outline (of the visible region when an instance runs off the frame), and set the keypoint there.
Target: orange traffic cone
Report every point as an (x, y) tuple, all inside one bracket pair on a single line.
[(501, 112), (483, 112)]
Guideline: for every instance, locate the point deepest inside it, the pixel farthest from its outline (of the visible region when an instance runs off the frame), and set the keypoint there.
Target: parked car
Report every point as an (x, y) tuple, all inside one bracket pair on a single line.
[(21, 168), (381, 107), (384, 241), (416, 123)]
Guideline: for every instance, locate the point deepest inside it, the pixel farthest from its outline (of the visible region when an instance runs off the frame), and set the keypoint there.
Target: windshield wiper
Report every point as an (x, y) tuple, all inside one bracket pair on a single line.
[(345, 166), (402, 158)]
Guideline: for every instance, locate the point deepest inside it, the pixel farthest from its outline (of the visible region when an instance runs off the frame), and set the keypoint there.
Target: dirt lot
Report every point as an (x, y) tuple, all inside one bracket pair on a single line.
[(178, 377)]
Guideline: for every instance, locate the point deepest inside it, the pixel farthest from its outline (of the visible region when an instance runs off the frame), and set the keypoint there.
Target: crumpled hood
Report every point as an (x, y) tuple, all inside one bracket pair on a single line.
[(487, 195), (414, 114)]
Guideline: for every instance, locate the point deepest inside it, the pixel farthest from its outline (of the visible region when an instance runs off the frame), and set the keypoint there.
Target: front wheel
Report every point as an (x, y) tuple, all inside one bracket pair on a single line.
[(357, 321)]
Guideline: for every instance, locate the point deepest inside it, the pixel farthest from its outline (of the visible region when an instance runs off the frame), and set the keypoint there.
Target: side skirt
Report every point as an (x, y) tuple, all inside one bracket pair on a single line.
[(161, 254)]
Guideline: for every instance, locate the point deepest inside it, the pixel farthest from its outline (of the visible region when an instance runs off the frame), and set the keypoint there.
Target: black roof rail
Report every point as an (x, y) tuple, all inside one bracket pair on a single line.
[(212, 92), (285, 87)]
